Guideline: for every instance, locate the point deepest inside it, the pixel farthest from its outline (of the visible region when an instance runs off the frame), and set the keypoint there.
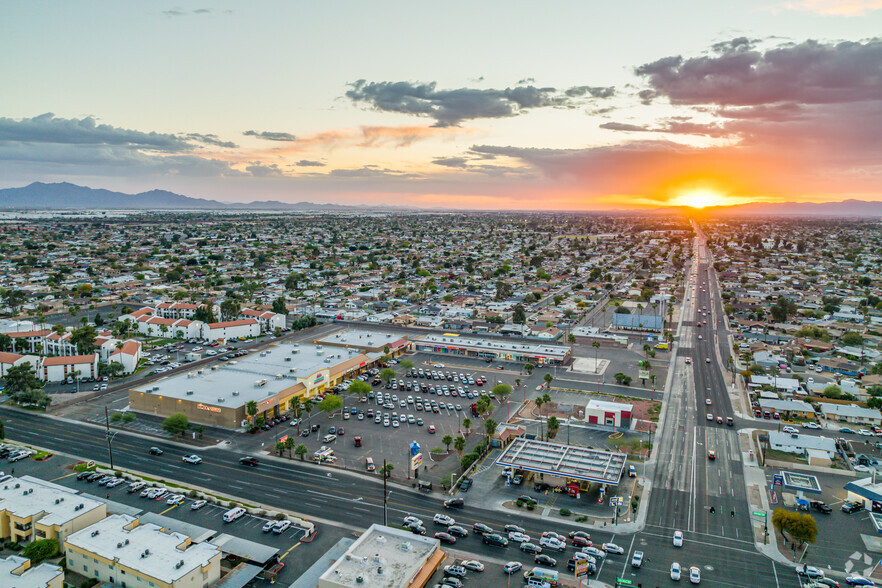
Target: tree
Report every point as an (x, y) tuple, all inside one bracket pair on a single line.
[(40, 550), (230, 309), (447, 440), (490, 427), (517, 382), (407, 364), (84, 339), (2, 431), (5, 342), (548, 379), (386, 470), (330, 404), (852, 339), (300, 451), (21, 379), (459, 445), (251, 411), (571, 339), (14, 299), (539, 402), (833, 391), (176, 424), (619, 376), (466, 424), (552, 425), (279, 305), (289, 445), (387, 375), (519, 315), (529, 367), (280, 447), (596, 346), (359, 388), (501, 391), (804, 528)]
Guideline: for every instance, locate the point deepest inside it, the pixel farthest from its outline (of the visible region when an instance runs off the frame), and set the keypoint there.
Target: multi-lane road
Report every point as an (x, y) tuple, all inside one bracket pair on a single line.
[(686, 485)]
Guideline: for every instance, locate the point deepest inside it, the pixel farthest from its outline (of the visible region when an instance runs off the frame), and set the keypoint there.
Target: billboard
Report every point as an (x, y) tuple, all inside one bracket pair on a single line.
[(416, 461)]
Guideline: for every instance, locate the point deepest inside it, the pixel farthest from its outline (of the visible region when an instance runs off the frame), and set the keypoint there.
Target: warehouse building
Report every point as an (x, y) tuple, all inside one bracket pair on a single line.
[(493, 349), (218, 395)]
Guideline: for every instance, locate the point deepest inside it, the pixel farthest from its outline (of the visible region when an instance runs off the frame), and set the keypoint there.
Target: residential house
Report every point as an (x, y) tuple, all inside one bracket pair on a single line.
[(850, 413)]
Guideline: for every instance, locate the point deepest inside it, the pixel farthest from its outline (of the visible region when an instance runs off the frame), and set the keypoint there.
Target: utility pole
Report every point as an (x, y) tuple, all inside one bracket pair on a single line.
[(385, 512), (107, 434)]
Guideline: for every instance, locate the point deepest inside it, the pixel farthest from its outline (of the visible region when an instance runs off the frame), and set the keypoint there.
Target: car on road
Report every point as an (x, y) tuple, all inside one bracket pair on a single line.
[(465, 485), (495, 539), (708, 402), (530, 548), (445, 537), (458, 531), (846, 430), (852, 507), (824, 583), (518, 537), (856, 580), (411, 520), (712, 455), (545, 560), (328, 438), (198, 504), (811, 425), (613, 548), (637, 559), (513, 529), (481, 528), (192, 459), (676, 571), (443, 519), (418, 530), (678, 538), (553, 543), (593, 552), (865, 432), (810, 572), (581, 541), (249, 461), (694, 575), (473, 565), (511, 567), (454, 503)]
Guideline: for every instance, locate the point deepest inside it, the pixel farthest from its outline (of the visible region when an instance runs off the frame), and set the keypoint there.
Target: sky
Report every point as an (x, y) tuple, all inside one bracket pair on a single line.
[(546, 105)]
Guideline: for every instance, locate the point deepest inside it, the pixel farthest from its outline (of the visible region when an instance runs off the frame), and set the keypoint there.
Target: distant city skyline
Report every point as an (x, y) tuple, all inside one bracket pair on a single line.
[(490, 105)]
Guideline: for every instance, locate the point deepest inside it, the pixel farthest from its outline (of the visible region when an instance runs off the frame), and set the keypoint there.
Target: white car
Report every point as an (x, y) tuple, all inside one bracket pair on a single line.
[(710, 417), (473, 565), (708, 402), (443, 519), (193, 459), (694, 575), (811, 425), (594, 552), (865, 432), (791, 430), (552, 543), (678, 538), (518, 537), (175, 499), (281, 527), (676, 570), (410, 521), (613, 548), (862, 468), (198, 504)]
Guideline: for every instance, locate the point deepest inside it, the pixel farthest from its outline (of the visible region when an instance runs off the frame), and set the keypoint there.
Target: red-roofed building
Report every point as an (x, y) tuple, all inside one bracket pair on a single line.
[(177, 328), (8, 360), (58, 369), (229, 329), (27, 341), (176, 310), (128, 355), (268, 320)]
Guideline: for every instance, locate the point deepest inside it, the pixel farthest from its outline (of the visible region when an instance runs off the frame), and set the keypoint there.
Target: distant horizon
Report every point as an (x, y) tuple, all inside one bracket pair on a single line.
[(589, 107)]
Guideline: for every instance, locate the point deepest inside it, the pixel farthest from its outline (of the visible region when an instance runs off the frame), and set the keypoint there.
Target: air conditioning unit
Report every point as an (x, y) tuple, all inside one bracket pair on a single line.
[(189, 393), (287, 359), (220, 400), (235, 392)]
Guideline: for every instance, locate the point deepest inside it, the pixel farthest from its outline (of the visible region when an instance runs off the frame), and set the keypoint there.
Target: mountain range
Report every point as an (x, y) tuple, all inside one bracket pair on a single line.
[(67, 196)]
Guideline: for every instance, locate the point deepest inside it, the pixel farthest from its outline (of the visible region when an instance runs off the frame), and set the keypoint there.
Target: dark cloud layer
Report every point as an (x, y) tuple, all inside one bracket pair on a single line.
[(451, 107), (271, 135)]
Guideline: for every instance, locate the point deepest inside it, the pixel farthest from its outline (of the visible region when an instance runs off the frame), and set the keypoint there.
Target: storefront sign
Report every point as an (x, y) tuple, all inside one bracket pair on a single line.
[(318, 379), (416, 461), (201, 406)]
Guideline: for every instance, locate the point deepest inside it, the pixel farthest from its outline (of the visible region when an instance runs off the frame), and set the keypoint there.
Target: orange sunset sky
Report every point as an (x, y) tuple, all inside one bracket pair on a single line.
[(493, 105)]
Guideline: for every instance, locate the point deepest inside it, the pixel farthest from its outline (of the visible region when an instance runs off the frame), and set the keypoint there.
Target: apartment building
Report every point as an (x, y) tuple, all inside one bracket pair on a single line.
[(16, 572), (58, 369)]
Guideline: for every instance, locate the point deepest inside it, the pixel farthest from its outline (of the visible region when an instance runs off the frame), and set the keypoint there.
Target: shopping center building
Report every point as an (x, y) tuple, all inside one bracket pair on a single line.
[(217, 395), (495, 349)]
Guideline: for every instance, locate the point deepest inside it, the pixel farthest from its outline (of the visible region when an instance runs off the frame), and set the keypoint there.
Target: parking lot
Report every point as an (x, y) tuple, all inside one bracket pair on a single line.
[(425, 414)]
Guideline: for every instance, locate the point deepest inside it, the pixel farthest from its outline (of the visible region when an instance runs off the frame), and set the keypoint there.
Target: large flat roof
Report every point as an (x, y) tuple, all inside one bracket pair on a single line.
[(383, 557), (145, 548), (281, 366), (571, 461), (361, 338), (478, 344), (26, 496)]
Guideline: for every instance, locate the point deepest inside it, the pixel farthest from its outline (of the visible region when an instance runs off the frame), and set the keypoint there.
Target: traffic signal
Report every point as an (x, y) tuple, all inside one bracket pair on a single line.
[(732, 514), (713, 510)]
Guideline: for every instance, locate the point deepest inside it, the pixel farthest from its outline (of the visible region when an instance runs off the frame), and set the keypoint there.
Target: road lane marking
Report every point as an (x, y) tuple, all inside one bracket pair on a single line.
[(289, 551), (64, 476), (169, 508)]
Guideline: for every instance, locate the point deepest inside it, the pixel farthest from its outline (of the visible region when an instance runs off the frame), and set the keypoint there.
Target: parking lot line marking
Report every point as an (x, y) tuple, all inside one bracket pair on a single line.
[(64, 476), (169, 508), (289, 551)]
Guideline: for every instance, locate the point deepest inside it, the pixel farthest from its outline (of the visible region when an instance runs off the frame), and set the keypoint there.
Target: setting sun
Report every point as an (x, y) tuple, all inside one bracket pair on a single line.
[(699, 199)]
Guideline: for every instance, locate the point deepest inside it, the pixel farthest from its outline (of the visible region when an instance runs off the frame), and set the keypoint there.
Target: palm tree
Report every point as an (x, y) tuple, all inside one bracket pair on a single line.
[(289, 445), (467, 423), (280, 447), (251, 410), (548, 378), (447, 440), (596, 346), (300, 451), (552, 426), (517, 382), (459, 444)]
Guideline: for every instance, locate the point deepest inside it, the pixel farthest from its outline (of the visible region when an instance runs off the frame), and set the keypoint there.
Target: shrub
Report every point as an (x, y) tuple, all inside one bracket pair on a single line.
[(519, 503), (531, 506), (565, 512)]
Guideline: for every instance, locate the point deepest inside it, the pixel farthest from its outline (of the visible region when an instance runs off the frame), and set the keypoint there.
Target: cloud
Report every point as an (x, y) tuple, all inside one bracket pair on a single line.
[(45, 128), (173, 12), (737, 74), (271, 135), (309, 163), (454, 162), (674, 125), (368, 171), (262, 170), (452, 107), (594, 91), (404, 136), (835, 7), (617, 126), (211, 140)]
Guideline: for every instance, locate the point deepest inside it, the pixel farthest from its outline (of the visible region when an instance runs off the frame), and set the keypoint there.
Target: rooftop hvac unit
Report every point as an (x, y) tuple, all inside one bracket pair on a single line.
[(235, 392), (327, 360), (263, 353), (156, 388), (318, 346), (287, 359), (280, 376), (189, 393), (214, 368), (319, 352), (233, 363), (119, 545), (191, 374), (220, 400), (95, 532), (200, 372), (293, 370)]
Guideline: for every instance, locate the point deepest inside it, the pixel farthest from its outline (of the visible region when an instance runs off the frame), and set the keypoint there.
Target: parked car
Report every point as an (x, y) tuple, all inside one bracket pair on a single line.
[(852, 507)]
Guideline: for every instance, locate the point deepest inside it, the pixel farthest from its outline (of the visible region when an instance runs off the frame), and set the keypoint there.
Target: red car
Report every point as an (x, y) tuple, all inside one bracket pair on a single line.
[(445, 537), (579, 541)]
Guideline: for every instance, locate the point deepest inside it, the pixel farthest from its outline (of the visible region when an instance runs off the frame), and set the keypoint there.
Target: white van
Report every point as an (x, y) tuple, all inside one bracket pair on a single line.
[(233, 514)]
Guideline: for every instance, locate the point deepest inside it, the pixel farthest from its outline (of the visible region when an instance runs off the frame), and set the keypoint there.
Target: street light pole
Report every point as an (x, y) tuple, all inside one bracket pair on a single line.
[(385, 512), (107, 434)]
